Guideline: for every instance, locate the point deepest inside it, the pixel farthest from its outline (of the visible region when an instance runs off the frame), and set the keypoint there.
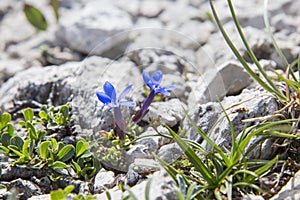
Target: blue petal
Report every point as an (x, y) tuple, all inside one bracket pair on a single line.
[(110, 91), (157, 77), (103, 97), (171, 87), (128, 103), (124, 92), (146, 77), (162, 91)]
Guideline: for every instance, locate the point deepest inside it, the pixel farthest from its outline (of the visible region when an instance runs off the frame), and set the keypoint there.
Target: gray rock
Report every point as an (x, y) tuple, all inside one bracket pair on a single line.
[(228, 79), (8, 68), (168, 42), (159, 59), (103, 180), (150, 143), (170, 153), (177, 9), (23, 188), (76, 82), (249, 104), (168, 112), (291, 190), (10, 26), (40, 197), (285, 22), (205, 116), (151, 8), (97, 28), (194, 30), (162, 187), (138, 151)]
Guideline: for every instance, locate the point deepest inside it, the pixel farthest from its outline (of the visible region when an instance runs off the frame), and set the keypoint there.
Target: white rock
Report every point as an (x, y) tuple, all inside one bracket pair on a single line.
[(95, 29), (291, 190), (228, 79), (162, 187), (103, 180), (168, 112)]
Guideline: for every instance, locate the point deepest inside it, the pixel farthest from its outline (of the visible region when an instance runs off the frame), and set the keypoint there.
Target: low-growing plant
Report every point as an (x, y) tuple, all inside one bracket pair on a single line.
[(36, 151)]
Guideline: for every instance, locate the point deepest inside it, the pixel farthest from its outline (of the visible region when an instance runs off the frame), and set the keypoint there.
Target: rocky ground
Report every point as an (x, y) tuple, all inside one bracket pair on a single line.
[(97, 41)]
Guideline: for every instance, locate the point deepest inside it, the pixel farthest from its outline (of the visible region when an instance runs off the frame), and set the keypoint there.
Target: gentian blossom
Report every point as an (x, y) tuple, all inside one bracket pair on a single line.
[(109, 98), (153, 83)]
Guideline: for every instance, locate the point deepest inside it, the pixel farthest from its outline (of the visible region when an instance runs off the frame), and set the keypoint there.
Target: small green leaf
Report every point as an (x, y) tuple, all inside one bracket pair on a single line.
[(25, 147), (5, 149), (81, 147), (76, 167), (28, 114), (17, 141), (43, 115), (4, 119), (14, 149), (61, 171), (55, 7), (58, 195), (5, 139), (43, 149), (10, 129), (69, 189), (31, 131), (59, 164), (35, 17), (66, 153), (53, 144)]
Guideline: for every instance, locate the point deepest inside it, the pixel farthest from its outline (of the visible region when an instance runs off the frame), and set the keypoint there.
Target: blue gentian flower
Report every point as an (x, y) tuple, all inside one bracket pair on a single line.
[(153, 83), (109, 98)]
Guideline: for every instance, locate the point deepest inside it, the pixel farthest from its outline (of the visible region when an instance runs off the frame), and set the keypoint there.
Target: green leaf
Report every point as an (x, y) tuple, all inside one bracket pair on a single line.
[(58, 195), (76, 167), (28, 114), (53, 144), (55, 7), (10, 129), (59, 164), (25, 148), (31, 131), (35, 17), (69, 189), (61, 171), (14, 149), (81, 147), (5, 139), (43, 149), (5, 149), (43, 115), (4, 120), (66, 153), (17, 141)]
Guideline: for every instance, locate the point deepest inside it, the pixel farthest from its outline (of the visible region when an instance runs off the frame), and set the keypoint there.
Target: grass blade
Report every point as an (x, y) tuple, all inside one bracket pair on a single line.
[(249, 50), (193, 157), (241, 59), (210, 142)]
